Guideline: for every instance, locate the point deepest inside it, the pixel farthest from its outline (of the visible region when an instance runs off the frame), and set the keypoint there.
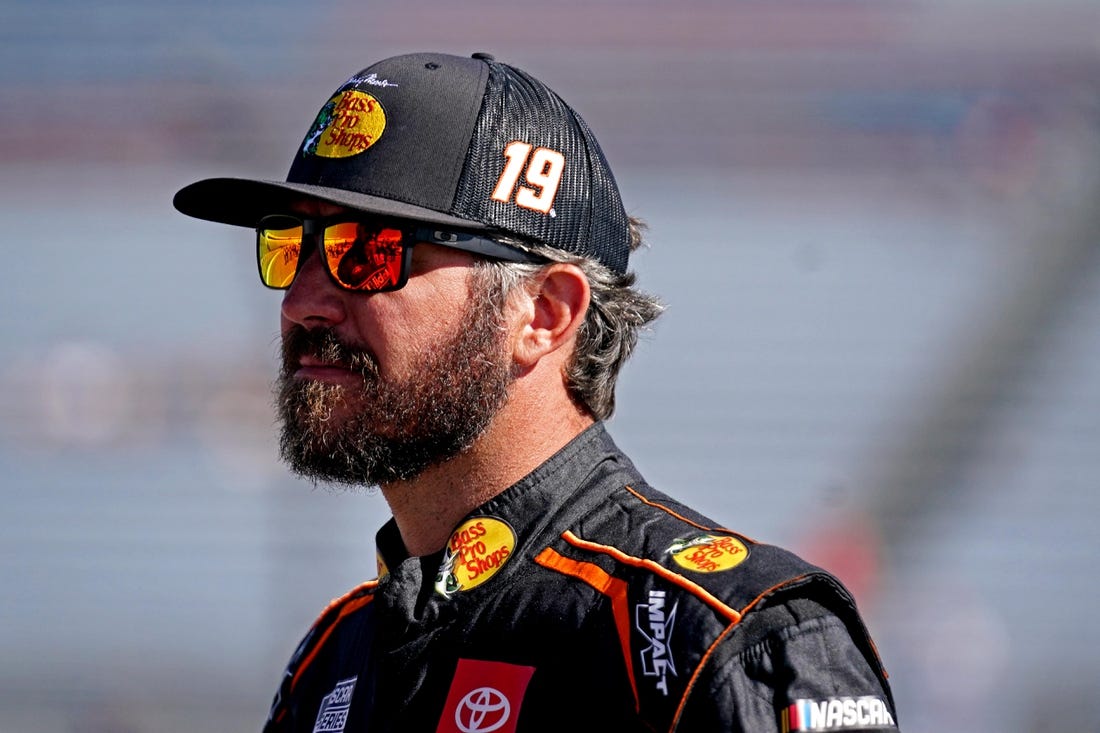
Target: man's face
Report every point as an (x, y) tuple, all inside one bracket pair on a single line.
[(374, 388)]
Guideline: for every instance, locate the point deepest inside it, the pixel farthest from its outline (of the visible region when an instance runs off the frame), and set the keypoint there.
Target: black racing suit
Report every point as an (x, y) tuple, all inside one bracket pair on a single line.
[(581, 599)]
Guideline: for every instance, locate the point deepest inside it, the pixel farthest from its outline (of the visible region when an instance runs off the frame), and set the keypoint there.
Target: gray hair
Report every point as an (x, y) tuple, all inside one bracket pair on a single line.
[(616, 315)]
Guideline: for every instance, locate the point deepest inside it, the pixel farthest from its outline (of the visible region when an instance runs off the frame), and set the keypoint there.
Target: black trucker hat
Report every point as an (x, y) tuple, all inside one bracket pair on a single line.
[(464, 142)]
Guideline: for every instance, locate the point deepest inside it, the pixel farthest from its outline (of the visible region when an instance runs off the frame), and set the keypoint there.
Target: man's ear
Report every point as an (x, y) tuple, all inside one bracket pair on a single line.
[(554, 308)]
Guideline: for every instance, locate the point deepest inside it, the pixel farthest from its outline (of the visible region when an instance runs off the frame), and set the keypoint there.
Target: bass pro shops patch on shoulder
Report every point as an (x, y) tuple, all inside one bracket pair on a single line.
[(708, 553)]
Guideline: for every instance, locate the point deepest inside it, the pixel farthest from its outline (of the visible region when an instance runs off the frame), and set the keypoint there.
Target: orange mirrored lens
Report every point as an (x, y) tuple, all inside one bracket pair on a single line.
[(279, 250), (363, 257)]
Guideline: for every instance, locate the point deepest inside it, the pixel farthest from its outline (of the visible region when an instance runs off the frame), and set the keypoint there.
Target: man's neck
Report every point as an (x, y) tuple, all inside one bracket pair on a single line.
[(429, 507)]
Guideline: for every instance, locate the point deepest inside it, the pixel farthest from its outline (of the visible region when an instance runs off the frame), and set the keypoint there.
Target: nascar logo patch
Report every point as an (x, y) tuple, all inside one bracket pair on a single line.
[(837, 714)]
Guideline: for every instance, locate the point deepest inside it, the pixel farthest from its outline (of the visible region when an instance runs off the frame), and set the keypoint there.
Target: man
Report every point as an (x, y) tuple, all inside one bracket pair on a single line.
[(458, 305)]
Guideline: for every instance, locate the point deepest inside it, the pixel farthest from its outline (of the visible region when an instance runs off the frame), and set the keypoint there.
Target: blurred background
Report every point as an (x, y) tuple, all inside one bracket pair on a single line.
[(875, 224)]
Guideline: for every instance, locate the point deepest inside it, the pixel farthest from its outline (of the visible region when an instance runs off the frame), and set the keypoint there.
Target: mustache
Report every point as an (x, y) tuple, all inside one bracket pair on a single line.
[(323, 344)]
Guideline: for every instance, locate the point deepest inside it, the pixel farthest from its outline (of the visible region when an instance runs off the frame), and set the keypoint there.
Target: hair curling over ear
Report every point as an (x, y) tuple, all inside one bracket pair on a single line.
[(617, 314)]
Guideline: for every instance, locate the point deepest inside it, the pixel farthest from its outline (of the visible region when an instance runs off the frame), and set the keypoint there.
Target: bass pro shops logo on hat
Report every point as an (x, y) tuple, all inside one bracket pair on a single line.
[(347, 125)]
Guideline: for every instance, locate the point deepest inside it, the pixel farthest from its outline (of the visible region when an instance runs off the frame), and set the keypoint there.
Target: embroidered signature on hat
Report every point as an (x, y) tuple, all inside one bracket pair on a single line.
[(370, 80)]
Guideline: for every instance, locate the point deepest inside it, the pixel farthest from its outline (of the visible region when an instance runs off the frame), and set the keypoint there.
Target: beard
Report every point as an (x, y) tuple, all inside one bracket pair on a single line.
[(387, 429)]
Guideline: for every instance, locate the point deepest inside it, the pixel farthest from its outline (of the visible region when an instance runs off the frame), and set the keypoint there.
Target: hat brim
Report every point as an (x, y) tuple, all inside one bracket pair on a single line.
[(243, 202)]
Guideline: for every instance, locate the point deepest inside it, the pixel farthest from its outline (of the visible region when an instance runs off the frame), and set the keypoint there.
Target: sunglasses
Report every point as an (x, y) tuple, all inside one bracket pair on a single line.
[(362, 255)]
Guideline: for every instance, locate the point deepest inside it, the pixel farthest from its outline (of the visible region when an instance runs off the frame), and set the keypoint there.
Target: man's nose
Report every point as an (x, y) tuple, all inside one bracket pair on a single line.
[(313, 299)]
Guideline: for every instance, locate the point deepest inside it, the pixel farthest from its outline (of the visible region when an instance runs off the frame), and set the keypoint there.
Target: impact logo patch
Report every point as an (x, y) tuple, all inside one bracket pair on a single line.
[(837, 713), (478, 549), (347, 125), (654, 621), (485, 697), (708, 553), (333, 715)]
